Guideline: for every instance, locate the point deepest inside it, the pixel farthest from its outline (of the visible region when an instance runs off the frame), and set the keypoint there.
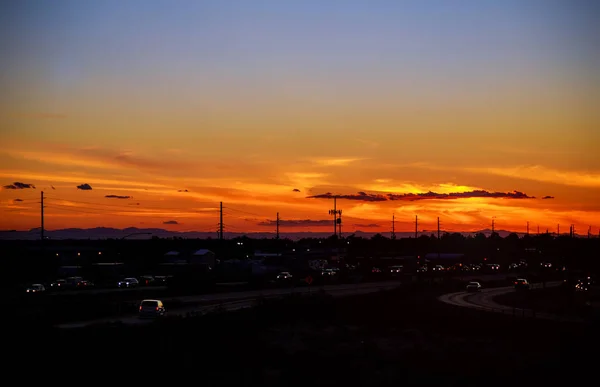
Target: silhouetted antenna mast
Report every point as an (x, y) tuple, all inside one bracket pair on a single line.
[(277, 230), (589, 232), (221, 221), (438, 228), (493, 225), (558, 229), (416, 226), (42, 215), (335, 214), (527, 228), (393, 226), (538, 230)]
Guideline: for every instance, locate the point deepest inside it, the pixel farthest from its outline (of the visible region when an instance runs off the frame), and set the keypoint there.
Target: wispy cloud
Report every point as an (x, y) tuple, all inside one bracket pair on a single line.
[(171, 222), (18, 200), (296, 190), (296, 223), (366, 197), (370, 225), (117, 197), (335, 162), (182, 190), (40, 116), (18, 185), (548, 197), (543, 174), (84, 187)]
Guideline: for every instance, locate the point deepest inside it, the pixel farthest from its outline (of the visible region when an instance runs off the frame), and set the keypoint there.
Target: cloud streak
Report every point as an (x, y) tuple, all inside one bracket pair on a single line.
[(171, 222), (117, 197), (296, 223), (367, 197), (84, 187), (18, 185)]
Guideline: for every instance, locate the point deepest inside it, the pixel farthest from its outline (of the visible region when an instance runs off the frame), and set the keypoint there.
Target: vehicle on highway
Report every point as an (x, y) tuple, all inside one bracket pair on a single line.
[(129, 282), (396, 269), (438, 268), (36, 288), (59, 284), (521, 284), (85, 284), (152, 309), (284, 275), (473, 286), (147, 280), (73, 282), (161, 280)]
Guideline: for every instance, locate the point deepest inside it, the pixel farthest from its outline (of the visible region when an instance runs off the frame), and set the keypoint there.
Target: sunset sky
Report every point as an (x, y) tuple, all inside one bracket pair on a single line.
[(170, 107)]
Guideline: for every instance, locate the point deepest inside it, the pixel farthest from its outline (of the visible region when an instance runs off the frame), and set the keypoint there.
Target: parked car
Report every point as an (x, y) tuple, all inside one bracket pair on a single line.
[(473, 287), (59, 284), (152, 309), (129, 282), (36, 288)]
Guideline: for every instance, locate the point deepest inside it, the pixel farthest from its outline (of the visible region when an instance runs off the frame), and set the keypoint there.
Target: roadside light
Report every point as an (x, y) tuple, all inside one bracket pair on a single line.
[(99, 252), (78, 254), (57, 254)]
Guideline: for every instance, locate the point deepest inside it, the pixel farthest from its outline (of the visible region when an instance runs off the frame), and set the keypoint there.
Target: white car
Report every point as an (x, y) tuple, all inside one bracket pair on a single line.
[(36, 288), (152, 309), (473, 287)]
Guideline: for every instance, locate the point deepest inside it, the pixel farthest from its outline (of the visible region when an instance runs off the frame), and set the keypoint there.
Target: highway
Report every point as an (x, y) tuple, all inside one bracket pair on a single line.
[(238, 300), (483, 300)]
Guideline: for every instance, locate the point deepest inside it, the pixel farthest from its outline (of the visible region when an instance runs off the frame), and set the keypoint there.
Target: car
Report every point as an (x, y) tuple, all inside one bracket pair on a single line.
[(36, 288), (59, 284), (85, 284), (521, 284), (473, 287), (284, 275), (152, 309), (129, 282)]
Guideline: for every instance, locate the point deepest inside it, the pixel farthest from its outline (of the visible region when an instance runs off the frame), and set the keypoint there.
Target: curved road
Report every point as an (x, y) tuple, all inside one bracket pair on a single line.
[(240, 300), (483, 300)]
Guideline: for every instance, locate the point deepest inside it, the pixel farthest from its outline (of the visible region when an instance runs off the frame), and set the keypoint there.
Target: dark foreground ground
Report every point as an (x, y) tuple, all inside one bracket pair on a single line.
[(554, 300), (404, 336)]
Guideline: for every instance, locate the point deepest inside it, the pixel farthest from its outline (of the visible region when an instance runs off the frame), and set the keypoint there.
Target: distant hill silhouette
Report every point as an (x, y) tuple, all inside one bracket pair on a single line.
[(115, 233)]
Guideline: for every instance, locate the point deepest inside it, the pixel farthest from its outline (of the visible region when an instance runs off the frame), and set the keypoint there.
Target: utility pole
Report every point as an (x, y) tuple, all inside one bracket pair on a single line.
[(589, 232), (277, 231), (438, 238), (42, 215), (335, 214), (221, 222), (493, 225), (572, 231), (527, 228), (416, 226), (558, 229), (393, 226), (538, 230), (339, 222)]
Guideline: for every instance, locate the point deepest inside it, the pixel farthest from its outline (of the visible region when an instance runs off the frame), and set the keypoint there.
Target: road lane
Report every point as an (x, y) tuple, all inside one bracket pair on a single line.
[(240, 300), (483, 300)]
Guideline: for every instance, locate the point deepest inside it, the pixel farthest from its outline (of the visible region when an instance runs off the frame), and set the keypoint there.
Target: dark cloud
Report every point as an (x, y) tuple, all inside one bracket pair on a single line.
[(296, 223), (296, 190), (370, 225), (18, 200), (183, 190), (361, 196), (548, 197), (171, 222), (366, 197), (52, 187), (84, 187), (18, 185), (117, 197)]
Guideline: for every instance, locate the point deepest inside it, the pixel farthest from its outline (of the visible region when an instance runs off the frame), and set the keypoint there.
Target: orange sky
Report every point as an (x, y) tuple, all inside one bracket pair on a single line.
[(267, 125)]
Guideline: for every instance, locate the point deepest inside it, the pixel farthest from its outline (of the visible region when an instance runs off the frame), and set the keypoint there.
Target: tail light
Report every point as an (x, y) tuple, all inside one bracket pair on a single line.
[(157, 308), (140, 307)]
